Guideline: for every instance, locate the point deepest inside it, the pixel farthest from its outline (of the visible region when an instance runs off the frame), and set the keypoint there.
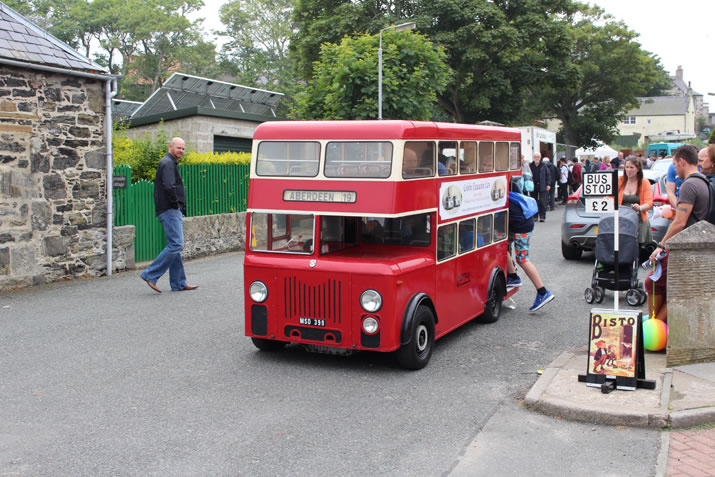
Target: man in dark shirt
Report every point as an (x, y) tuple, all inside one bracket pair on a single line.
[(617, 162), (542, 184), (170, 205)]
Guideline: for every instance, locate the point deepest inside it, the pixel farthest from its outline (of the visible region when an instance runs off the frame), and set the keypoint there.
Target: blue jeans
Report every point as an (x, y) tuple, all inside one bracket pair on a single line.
[(170, 257)]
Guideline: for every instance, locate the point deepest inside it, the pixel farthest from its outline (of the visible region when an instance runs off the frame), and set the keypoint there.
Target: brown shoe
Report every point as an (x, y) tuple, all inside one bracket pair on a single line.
[(190, 287), (152, 285)]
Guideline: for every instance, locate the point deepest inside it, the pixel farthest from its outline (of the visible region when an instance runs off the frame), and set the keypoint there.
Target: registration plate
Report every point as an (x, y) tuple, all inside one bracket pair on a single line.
[(312, 322)]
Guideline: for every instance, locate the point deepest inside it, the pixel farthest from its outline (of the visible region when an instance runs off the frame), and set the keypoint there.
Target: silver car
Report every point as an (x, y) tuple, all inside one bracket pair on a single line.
[(579, 227)]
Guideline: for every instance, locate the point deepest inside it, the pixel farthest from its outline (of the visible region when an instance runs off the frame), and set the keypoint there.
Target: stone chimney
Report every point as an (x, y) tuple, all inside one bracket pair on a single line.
[(679, 73)]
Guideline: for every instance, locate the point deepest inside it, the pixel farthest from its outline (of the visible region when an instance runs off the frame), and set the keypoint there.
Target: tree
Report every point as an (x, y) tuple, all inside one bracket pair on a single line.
[(345, 81), (711, 139), (607, 72), (494, 47), (259, 32)]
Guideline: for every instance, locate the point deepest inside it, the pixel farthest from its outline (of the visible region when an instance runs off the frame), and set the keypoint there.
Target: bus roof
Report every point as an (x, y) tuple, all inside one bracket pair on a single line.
[(376, 130)]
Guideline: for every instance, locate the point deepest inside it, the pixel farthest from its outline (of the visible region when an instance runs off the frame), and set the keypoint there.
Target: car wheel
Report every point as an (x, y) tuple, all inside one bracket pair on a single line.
[(492, 308), (570, 253), (417, 353), (268, 345), (588, 295), (598, 294)]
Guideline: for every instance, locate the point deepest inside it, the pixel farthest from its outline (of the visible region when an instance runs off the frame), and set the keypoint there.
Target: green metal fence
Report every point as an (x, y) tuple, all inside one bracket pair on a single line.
[(210, 189)]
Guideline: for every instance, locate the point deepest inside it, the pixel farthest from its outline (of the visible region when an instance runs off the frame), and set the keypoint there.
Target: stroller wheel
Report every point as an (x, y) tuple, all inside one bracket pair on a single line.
[(598, 294), (644, 297), (633, 297), (588, 295)]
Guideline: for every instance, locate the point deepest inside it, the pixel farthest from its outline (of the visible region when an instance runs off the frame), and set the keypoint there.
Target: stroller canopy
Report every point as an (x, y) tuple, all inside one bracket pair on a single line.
[(627, 237)]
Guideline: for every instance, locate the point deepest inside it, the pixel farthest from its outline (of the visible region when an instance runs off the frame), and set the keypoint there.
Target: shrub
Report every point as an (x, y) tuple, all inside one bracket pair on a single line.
[(193, 157), (142, 154)]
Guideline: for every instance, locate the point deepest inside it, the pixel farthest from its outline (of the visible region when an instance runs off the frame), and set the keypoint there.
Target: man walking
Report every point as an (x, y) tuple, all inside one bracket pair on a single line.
[(542, 184), (170, 204)]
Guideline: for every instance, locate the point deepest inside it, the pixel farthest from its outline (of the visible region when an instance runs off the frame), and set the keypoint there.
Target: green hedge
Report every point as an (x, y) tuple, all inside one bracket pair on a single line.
[(143, 154)]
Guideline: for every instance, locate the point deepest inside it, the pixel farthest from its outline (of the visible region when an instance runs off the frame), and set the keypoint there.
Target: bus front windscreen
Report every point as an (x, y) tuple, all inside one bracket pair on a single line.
[(290, 233)]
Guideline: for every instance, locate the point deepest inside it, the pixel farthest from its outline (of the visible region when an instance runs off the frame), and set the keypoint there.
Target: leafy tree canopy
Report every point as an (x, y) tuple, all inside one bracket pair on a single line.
[(606, 73), (345, 84)]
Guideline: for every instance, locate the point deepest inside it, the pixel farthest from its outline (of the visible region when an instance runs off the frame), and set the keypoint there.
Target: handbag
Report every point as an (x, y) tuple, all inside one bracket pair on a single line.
[(527, 182), (528, 204)]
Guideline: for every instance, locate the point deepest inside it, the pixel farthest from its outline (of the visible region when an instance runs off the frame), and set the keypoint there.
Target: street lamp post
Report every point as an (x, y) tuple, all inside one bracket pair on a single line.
[(400, 27)]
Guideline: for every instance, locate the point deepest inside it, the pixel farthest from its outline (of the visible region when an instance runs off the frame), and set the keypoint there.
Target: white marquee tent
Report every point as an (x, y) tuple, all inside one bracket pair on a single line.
[(601, 151)]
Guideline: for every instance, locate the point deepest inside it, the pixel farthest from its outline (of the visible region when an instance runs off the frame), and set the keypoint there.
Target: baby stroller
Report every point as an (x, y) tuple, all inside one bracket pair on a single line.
[(604, 276)]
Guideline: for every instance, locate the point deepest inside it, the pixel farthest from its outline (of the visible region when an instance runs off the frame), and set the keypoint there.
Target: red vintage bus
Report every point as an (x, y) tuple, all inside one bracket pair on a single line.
[(376, 235)]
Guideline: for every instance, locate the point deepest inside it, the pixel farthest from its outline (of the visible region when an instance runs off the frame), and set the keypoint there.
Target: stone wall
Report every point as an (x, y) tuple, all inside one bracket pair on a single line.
[(198, 131), (52, 177), (211, 234), (691, 296)]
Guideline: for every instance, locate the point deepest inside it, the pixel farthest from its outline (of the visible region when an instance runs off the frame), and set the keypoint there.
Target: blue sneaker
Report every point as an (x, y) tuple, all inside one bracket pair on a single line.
[(513, 282), (541, 300)]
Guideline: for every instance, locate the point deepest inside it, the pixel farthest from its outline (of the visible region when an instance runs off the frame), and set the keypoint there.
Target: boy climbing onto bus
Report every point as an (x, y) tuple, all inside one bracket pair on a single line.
[(521, 224)]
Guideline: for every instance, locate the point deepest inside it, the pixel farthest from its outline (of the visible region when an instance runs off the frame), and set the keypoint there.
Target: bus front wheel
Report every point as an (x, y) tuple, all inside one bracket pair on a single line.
[(268, 345), (417, 353)]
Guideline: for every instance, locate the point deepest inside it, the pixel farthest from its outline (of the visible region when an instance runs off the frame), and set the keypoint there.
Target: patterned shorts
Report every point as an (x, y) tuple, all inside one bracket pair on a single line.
[(521, 246)]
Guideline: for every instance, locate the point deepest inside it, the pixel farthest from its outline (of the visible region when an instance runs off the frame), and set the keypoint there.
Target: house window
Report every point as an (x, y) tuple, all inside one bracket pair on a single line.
[(629, 120)]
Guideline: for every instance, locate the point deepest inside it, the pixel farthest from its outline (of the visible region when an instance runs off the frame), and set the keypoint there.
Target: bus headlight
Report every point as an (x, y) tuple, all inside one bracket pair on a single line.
[(258, 291), (371, 301), (370, 325)]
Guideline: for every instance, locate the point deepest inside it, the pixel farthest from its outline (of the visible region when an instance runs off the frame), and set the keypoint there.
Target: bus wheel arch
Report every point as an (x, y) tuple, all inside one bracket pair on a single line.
[(418, 333), (495, 297)]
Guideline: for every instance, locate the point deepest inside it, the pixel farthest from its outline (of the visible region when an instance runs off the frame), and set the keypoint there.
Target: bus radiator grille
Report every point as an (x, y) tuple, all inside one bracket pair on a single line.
[(321, 301)]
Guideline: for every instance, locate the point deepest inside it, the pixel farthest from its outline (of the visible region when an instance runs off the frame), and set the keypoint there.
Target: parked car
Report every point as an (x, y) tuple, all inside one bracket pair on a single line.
[(661, 165), (579, 227)]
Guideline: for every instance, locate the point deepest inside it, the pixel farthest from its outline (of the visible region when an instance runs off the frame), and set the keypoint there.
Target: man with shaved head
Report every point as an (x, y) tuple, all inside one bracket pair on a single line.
[(170, 204)]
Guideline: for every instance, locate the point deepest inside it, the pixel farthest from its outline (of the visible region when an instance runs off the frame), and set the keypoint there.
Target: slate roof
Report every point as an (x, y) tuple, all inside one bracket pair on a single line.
[(661, 106), (21, 40)]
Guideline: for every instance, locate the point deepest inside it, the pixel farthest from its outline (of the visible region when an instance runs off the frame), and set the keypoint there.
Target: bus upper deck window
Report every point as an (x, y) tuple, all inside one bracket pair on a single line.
[(486, 157), (468, 158), (515, 156), (501, 154), (358, 159), (447, 157), (418, 160), (288, 158)]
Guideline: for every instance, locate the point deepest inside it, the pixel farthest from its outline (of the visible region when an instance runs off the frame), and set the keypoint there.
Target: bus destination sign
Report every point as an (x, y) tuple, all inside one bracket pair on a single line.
[(340, 196)]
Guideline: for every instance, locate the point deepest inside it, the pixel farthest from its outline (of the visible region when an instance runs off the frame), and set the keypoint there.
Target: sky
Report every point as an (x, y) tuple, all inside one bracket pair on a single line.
[(680, 32)]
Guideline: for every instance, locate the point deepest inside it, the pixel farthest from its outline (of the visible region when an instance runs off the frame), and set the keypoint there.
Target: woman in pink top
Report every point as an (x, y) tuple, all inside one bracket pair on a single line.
[(606, 164)]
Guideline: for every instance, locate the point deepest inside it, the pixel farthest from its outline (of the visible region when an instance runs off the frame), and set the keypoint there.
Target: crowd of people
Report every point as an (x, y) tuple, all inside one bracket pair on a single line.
[(688, 196)]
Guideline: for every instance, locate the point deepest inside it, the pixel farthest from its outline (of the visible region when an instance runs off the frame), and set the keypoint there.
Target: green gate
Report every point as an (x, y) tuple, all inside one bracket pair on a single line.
[(210, 189)]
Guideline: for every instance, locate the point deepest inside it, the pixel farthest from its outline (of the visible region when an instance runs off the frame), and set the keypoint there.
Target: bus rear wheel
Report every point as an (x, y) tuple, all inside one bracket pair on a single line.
[(492, 308), (417, 353), (268, 345)]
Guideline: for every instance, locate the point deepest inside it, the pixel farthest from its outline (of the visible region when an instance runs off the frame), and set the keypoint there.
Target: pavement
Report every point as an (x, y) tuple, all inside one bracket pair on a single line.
[(684, 397)]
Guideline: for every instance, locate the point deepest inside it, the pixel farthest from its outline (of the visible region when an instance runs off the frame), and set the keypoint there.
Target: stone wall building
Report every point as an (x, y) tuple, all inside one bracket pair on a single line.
[(53, 219)]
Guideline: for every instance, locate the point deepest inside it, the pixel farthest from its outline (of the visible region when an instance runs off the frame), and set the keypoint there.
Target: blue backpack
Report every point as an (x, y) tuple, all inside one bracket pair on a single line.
[(528, 204)]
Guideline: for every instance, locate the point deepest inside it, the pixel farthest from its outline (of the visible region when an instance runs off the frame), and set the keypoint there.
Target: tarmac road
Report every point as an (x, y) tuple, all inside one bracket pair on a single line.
[(105, 377)]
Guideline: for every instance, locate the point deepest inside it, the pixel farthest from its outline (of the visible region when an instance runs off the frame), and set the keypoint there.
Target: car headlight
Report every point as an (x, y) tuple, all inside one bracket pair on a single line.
[(258, 291), (370, 325), (371, 301)]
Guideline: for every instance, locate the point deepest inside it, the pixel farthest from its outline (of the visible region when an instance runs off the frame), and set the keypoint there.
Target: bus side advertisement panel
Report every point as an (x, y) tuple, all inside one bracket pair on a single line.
[(467, 197)]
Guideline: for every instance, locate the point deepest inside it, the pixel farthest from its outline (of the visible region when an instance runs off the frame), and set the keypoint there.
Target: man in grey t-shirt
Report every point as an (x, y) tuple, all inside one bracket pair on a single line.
[(694, 196)]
